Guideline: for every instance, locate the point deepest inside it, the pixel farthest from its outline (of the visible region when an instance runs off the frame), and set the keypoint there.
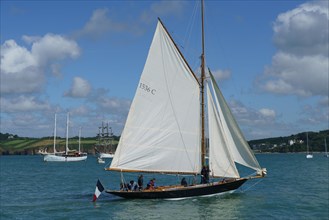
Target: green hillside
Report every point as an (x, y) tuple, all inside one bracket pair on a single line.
[(12, 144), (292, 143)]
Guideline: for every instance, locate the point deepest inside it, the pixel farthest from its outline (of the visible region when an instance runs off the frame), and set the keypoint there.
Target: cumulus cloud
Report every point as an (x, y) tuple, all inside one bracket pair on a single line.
[(23, 103), (80, 110), (33, 124), (313, 116), (102, 22), (259, 123), (221, 75), (252, 117), (300, 67), (30, 39), (269, 113), (15, 58), (110, 105), (24, 70), (162, 8), (324, 102), (80, 88), (56, 69), (99, 24), (115, 105), (54, 47), (303, 30), (303, 76)]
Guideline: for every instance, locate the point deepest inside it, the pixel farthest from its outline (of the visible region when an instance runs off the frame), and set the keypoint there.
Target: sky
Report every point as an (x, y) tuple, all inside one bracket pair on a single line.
[(270, 59)]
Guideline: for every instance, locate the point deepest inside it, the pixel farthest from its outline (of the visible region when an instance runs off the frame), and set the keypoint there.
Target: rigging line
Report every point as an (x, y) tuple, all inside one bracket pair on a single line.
[(252, 174), (191, 53), (228, 167), (188, 33), (225, 58), (252, 185), (107, 165), (123, 181)]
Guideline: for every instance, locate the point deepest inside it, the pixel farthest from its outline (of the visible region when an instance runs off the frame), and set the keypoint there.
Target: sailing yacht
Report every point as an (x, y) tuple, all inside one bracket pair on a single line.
[(308, 154), (67, 155), (165, 128), (42, 151)]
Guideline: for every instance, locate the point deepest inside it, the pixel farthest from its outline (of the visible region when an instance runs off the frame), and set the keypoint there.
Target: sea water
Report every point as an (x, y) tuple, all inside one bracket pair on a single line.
[(295, 188)]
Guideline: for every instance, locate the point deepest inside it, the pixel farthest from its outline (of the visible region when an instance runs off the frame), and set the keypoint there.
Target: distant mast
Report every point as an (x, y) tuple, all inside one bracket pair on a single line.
[(55, 135), (79, 139), (325, 148), (203, 75), (67, 134)]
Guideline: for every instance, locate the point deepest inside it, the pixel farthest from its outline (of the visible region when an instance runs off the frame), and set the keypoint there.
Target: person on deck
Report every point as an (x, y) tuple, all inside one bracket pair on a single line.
[(183, 182), (140, 182), (151, 184), (132, 185), (205, 174), (123, 186)]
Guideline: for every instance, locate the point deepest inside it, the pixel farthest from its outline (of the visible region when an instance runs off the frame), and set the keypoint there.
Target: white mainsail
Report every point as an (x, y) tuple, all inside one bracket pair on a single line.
[(238, 146), (162, 131)]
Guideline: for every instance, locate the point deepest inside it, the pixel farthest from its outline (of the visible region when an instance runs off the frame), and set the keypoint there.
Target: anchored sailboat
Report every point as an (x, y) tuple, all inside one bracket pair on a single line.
[(308, 154), (68, 155), (165, 129)]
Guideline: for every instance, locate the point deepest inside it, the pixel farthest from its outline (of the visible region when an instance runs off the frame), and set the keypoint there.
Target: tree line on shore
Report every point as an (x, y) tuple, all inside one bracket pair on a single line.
[(293, 143), (13, 144)]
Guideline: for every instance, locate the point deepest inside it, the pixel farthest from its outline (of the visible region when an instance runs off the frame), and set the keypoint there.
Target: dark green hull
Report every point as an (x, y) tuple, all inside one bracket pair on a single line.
[(181, 192)]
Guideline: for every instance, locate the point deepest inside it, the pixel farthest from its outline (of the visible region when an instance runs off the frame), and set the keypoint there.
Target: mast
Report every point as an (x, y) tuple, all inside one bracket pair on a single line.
[(325, 145), (55, 136), (67, 134), (111, 140), (203, 143), (307, 142), (79, 139)]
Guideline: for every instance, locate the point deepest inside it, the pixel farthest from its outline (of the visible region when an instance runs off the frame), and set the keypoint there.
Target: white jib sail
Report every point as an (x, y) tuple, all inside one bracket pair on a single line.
[(162, 131), (238, 146), (221, 163)]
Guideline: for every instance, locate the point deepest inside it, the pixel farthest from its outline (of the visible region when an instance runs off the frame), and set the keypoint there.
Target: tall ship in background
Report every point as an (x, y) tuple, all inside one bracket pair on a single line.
[(105, 147)]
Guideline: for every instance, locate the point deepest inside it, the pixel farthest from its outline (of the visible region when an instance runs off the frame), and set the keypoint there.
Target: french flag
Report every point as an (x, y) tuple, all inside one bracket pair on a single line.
[(98, 191)]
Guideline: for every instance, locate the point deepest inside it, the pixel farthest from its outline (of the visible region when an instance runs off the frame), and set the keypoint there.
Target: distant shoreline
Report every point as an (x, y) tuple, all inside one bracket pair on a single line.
[(94, 154), (13, 145)]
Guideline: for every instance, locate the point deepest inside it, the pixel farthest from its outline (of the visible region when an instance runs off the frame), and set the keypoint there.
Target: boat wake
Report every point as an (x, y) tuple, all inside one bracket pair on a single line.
[(221, 194)]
